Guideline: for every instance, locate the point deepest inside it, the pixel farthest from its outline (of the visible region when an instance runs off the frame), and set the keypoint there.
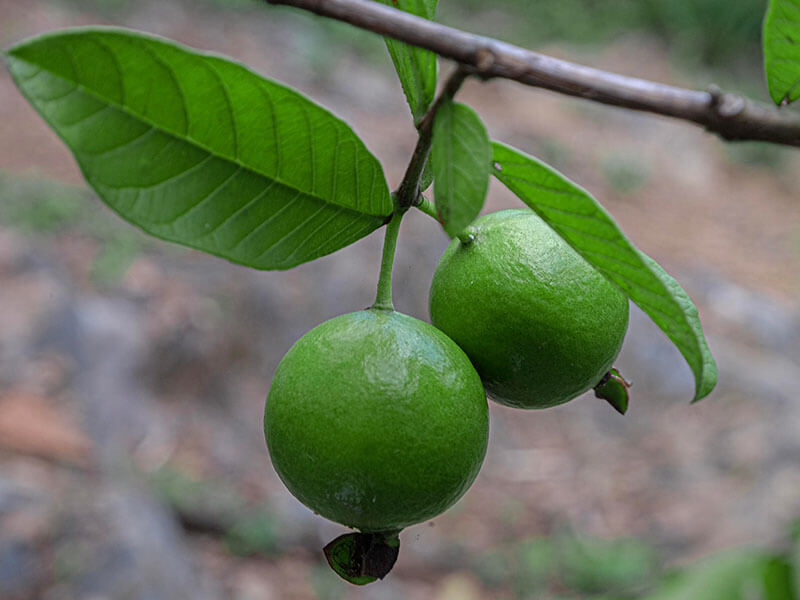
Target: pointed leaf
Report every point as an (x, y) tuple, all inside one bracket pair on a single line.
[(782, 50), (417, 68), (578, 218), (461, 154), (199, 150)]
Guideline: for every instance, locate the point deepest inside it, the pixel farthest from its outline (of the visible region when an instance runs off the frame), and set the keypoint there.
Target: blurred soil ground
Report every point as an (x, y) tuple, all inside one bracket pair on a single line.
[(133, 373)]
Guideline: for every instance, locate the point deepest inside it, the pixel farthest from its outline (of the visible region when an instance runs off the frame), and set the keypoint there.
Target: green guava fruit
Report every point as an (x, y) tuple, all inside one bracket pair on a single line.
[(376, 420), (540, 325)]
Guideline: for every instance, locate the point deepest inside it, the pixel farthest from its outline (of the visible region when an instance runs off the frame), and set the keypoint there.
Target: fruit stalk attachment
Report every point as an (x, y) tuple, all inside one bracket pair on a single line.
[(467, 236), (383, 299)]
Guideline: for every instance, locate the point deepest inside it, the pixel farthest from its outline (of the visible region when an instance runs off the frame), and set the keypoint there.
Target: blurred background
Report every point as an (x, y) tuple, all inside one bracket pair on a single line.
[(133, 373)]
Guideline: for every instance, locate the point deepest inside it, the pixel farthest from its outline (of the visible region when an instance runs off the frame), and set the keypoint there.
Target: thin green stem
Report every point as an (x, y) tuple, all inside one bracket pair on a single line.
[(383, 299), (427, 207), (408, 193)]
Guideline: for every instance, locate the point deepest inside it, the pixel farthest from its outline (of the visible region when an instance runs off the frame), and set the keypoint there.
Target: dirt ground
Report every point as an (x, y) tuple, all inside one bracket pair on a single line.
[(166, 369)]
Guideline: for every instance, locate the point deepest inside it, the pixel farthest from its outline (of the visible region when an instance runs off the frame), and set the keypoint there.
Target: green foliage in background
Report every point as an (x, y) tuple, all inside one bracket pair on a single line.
[(712, 31), (709, 31), (579, 567), (37, 207), (576, 566), (215, 506)]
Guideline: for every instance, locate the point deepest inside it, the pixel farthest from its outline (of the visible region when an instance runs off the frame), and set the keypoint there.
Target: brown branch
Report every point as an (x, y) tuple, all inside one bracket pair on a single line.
[(731, 116)]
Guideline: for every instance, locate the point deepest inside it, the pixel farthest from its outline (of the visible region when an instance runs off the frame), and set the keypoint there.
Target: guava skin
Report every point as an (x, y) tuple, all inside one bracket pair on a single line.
[(540, 325), (376, 420)]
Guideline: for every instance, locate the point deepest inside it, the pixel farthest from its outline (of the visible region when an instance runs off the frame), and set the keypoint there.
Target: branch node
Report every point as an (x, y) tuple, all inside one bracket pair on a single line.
[(484, 61), (716, 96), (730, 106)]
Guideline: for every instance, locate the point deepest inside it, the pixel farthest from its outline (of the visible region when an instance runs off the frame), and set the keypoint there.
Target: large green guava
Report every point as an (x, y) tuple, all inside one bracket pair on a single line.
[(376, 420)]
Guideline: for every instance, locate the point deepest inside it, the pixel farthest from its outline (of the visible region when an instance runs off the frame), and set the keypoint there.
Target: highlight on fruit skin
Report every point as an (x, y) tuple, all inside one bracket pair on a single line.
[(377, 421), (539, 323)]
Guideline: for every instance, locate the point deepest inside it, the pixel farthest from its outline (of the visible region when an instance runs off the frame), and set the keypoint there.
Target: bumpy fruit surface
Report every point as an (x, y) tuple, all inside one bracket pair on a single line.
[(538, 322), (376, 420)]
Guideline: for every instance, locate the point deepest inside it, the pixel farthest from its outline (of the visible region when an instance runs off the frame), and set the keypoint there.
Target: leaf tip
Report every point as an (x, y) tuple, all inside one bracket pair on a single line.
[(708, 381)]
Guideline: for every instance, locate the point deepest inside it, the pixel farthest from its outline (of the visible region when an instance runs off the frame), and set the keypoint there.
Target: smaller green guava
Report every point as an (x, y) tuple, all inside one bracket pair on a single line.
[(539, 323)]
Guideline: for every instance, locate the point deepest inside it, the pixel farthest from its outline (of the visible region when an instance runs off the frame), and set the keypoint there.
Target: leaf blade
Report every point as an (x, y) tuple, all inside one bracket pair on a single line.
[(199, 150), (416, 67), (583, 223), (781, 41), (460, 155)]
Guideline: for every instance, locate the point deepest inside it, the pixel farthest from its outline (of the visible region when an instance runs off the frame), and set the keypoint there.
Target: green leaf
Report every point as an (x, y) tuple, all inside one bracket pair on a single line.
[(578, 218), (426, 179), (782, 50), (461, 154), (778, 579), (199, 150), (417, 68)]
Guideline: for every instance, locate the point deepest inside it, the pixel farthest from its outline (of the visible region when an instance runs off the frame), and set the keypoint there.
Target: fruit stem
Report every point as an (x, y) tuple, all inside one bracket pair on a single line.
[(426, 206), (383, 299), (467, 236)]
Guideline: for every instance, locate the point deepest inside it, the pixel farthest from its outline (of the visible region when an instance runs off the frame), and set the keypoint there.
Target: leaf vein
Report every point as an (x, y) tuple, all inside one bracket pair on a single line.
[(271, 218), (210, 194)]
